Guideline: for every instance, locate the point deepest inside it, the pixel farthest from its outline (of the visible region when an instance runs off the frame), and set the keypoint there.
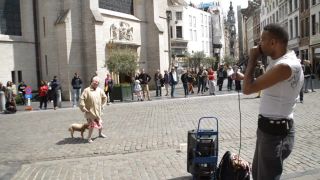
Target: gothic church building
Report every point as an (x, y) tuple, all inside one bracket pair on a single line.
[(43, 38)]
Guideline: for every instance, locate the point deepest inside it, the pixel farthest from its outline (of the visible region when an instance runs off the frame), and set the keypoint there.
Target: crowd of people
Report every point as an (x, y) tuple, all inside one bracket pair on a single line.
[(47, 92), (204, 79)]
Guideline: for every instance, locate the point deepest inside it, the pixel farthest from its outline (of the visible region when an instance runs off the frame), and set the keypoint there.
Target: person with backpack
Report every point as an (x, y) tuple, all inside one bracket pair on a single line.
[(281, 85)]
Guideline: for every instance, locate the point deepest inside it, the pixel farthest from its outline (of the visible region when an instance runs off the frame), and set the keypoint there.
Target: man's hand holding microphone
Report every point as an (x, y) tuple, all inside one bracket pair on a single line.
[(255, 53)]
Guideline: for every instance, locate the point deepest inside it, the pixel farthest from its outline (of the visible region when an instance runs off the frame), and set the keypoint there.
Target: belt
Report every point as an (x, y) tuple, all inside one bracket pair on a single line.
[(275, 127)]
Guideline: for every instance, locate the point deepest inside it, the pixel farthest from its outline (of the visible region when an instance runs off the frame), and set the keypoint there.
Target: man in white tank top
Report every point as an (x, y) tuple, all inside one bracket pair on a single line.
[(281, 85)]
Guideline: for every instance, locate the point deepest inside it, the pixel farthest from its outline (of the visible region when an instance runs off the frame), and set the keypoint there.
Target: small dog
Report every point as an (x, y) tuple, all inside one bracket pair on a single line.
[(78, 127)]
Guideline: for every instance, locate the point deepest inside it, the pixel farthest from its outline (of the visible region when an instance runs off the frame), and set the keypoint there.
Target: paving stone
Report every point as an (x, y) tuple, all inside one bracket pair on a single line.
[(143, 139)]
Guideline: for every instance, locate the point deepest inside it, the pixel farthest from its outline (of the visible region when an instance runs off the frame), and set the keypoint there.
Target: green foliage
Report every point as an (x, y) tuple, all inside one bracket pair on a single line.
[(122, 61), (229, 60), (209, 61), (196, 59)]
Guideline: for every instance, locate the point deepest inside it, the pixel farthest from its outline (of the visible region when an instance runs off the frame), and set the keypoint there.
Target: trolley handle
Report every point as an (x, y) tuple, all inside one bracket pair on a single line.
[(208, 117)]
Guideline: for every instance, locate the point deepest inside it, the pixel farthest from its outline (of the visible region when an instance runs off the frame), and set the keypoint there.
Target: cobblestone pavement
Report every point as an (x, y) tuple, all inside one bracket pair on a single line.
[(145, 140)]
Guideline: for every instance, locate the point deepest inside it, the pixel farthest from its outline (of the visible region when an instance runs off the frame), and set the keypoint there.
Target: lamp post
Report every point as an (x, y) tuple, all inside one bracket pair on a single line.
[(169, 18)]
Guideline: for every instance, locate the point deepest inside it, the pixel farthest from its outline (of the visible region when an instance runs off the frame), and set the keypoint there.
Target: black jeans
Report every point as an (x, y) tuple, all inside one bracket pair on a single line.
[(200, 85), (158, 91), (220, 83), (229, 83), (270, 152), (43, 101), (185, 87), (55, 99)]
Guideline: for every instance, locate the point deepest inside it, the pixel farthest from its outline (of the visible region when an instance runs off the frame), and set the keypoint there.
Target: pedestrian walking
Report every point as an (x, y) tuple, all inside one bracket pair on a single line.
[(281, 83), (204, 81), (258, 71), (11, 106), (10, 92), (166, 82), (184, 80), (173, 80), (237, 83), (108, 88), (145, 79), (157, 80), (76, 86), (137, 90), (302, 88), (200, 80), (43, 94), (92, 100), (2, 87), (191, 80), (308, 76), (22, 92), (221, 75), (229, 74), (55, 88), (211, 82)]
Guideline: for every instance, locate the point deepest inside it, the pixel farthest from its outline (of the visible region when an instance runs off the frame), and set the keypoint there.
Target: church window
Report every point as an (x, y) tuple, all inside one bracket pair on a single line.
[(10, 18), (124, 6)]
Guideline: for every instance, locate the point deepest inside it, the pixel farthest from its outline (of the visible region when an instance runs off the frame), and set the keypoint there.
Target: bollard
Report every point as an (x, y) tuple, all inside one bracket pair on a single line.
[(28, 106), (59, 98), (2, 101)]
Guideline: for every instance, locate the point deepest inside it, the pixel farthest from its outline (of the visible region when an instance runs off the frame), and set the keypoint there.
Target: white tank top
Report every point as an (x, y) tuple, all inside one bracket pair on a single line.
[(279, 100)]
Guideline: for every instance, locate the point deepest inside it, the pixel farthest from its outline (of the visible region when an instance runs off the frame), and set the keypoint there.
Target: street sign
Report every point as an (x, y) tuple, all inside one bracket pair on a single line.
[(28, 96), (28, 90)]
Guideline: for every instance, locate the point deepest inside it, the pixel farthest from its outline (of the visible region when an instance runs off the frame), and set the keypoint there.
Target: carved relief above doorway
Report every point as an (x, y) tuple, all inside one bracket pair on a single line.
[(121, 31)]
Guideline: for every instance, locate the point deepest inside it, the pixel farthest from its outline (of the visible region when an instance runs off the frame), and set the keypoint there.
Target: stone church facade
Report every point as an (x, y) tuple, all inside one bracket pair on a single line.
[(62, 37)]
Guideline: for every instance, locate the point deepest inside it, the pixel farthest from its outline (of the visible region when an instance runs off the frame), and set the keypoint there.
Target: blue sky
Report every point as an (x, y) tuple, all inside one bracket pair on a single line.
[(225, 3)]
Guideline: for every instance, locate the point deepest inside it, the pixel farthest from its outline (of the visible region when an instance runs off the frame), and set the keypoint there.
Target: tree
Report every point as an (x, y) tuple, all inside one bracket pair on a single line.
[(229, 60), (196, 59), (209, 62), (122, 62)]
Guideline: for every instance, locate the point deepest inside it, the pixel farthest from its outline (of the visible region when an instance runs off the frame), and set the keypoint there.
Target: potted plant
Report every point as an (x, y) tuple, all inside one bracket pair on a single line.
[(122, 62)]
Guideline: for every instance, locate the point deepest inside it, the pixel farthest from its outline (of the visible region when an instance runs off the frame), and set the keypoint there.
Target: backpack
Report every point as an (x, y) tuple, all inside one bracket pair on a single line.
[(231, 167)]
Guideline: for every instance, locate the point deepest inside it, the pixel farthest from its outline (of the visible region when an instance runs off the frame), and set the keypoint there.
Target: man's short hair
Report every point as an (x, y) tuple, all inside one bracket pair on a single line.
[(96, 79), (278, 32)]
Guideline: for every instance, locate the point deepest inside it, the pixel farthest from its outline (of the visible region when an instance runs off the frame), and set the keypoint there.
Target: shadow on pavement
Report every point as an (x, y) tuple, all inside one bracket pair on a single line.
[(182, 178), (249, 98), (72, 141)]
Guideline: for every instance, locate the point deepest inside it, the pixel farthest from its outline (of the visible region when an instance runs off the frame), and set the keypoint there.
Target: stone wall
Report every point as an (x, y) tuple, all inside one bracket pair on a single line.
[(17, 53)]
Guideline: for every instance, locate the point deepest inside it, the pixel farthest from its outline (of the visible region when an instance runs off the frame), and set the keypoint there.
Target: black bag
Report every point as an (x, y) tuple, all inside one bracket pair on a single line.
[(313, 76), (162, 82), (233, 168)]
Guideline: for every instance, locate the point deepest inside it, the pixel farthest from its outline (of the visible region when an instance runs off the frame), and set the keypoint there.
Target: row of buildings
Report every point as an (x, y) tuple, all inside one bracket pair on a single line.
[(301, 18), (43, 38)]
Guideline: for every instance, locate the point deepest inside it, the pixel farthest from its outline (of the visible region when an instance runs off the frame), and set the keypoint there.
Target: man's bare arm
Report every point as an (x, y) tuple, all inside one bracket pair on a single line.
[(277, 74)]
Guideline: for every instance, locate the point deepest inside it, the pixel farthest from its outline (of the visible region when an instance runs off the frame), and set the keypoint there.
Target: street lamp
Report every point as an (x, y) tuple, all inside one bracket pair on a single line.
[(169, 18)]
